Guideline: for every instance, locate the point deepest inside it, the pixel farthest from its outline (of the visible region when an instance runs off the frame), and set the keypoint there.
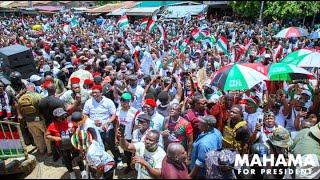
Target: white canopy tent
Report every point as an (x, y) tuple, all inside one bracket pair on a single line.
[(173, 12)]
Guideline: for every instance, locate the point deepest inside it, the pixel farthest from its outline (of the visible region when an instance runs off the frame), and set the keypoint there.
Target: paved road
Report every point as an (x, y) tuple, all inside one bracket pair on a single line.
[(47, 169)]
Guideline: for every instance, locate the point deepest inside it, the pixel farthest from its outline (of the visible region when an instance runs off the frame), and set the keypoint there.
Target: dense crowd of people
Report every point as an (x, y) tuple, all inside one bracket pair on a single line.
[(99, 89)]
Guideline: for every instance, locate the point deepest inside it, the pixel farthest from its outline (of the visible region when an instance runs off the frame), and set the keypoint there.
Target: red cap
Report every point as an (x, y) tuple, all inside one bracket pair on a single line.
[(46, 84), (97, 86), (151, 102), (88, 81), (96, 74), (75, 80), (74, 48), (46, 46)]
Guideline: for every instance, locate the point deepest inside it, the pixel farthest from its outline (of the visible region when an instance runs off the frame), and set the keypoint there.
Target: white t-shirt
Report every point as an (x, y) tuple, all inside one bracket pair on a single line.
[(252, 119), (126, 118), (280, 118), (154, 159), (102, 110), (137, 94)]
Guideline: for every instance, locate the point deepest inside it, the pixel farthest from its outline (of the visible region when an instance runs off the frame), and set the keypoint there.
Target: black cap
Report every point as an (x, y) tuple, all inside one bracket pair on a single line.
[(76, 116)]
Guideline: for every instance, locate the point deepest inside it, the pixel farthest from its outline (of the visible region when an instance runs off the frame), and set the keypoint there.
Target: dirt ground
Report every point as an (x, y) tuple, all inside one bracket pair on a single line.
[(47, 169)]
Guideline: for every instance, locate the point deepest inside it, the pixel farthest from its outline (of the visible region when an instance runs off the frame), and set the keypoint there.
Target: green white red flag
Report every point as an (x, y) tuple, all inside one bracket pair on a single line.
[(196, 34), (151, 25), (162, 32), (144, 23), (123, 22), (223, 44), (184, 45)]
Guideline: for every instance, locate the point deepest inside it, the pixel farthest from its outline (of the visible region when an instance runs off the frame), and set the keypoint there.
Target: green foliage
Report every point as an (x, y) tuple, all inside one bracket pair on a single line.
[(276, 9), (249, 9)]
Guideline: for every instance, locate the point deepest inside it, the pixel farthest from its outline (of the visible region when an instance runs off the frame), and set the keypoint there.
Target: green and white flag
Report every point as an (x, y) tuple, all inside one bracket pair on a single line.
[(74, 22)]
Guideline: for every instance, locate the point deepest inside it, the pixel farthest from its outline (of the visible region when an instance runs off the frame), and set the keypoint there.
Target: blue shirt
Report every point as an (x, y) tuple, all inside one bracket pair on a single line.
[(204, 143)]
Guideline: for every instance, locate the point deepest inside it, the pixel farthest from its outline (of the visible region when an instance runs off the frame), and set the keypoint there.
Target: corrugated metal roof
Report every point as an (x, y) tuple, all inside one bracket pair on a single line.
[(182, 11), (145, 11), (111, 7), (6, 4)]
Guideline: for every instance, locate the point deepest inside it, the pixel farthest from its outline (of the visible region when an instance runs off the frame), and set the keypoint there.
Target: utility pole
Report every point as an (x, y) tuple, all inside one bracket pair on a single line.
[(261, 11)]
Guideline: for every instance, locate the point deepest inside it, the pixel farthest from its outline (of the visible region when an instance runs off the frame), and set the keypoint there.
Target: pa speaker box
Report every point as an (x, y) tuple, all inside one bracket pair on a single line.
[(17, 58)]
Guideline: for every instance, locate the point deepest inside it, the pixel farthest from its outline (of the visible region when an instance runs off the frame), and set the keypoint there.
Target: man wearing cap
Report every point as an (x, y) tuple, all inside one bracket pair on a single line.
[(125, 115), (209, 139), (252, 113), (75, 98), (279, 143), (102, 111), (60, 132), (307, 141), (36, 80), (265, 128), (82, 74), (306, 98), (157, 120)]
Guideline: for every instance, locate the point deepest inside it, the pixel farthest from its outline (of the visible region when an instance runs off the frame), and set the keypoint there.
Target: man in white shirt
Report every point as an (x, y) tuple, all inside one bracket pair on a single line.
[(252, 114), (157, 120), (148, 155), (102, 111), (136, 90), (125, 115)]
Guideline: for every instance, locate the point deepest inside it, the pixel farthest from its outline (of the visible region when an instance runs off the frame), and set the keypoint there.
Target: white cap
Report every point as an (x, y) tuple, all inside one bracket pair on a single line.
[(214, 98), (306, 92), (56, 64), (34, 78), (267, 56)]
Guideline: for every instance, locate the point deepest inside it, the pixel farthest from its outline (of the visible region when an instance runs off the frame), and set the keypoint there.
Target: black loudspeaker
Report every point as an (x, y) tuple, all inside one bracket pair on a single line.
[(17, 58)]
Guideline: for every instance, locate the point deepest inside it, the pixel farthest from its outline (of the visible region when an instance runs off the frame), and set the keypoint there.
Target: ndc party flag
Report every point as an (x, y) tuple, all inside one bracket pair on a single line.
[(162, 32), (151, 25), (123, 22), (144, 23), (184, 45), (10, 144), (223, 44), (196, 34)]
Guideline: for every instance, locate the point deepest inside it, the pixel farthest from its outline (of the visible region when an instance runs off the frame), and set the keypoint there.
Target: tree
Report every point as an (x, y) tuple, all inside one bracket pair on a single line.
[(248, 9), (276, 9)]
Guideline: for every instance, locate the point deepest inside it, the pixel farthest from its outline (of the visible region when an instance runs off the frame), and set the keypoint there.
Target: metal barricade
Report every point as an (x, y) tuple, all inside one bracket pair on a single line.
[(11, 140)]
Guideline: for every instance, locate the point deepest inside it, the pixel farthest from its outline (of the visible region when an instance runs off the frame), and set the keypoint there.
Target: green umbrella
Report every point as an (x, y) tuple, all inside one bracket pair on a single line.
[(287, 72), (303, 58)]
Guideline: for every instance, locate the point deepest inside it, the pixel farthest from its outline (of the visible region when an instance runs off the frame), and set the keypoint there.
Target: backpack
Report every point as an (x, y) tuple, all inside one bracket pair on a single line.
[(27, 106)]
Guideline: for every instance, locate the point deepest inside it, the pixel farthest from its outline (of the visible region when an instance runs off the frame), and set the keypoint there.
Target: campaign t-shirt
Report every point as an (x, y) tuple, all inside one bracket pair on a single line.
[(127, 118), (58, 128), (154, 159)]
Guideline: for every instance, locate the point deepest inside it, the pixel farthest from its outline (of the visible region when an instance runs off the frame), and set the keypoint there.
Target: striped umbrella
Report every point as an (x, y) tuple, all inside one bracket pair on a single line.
[(315, 35), (303, 58), (288, 72), (292, 32), (237, 77)]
